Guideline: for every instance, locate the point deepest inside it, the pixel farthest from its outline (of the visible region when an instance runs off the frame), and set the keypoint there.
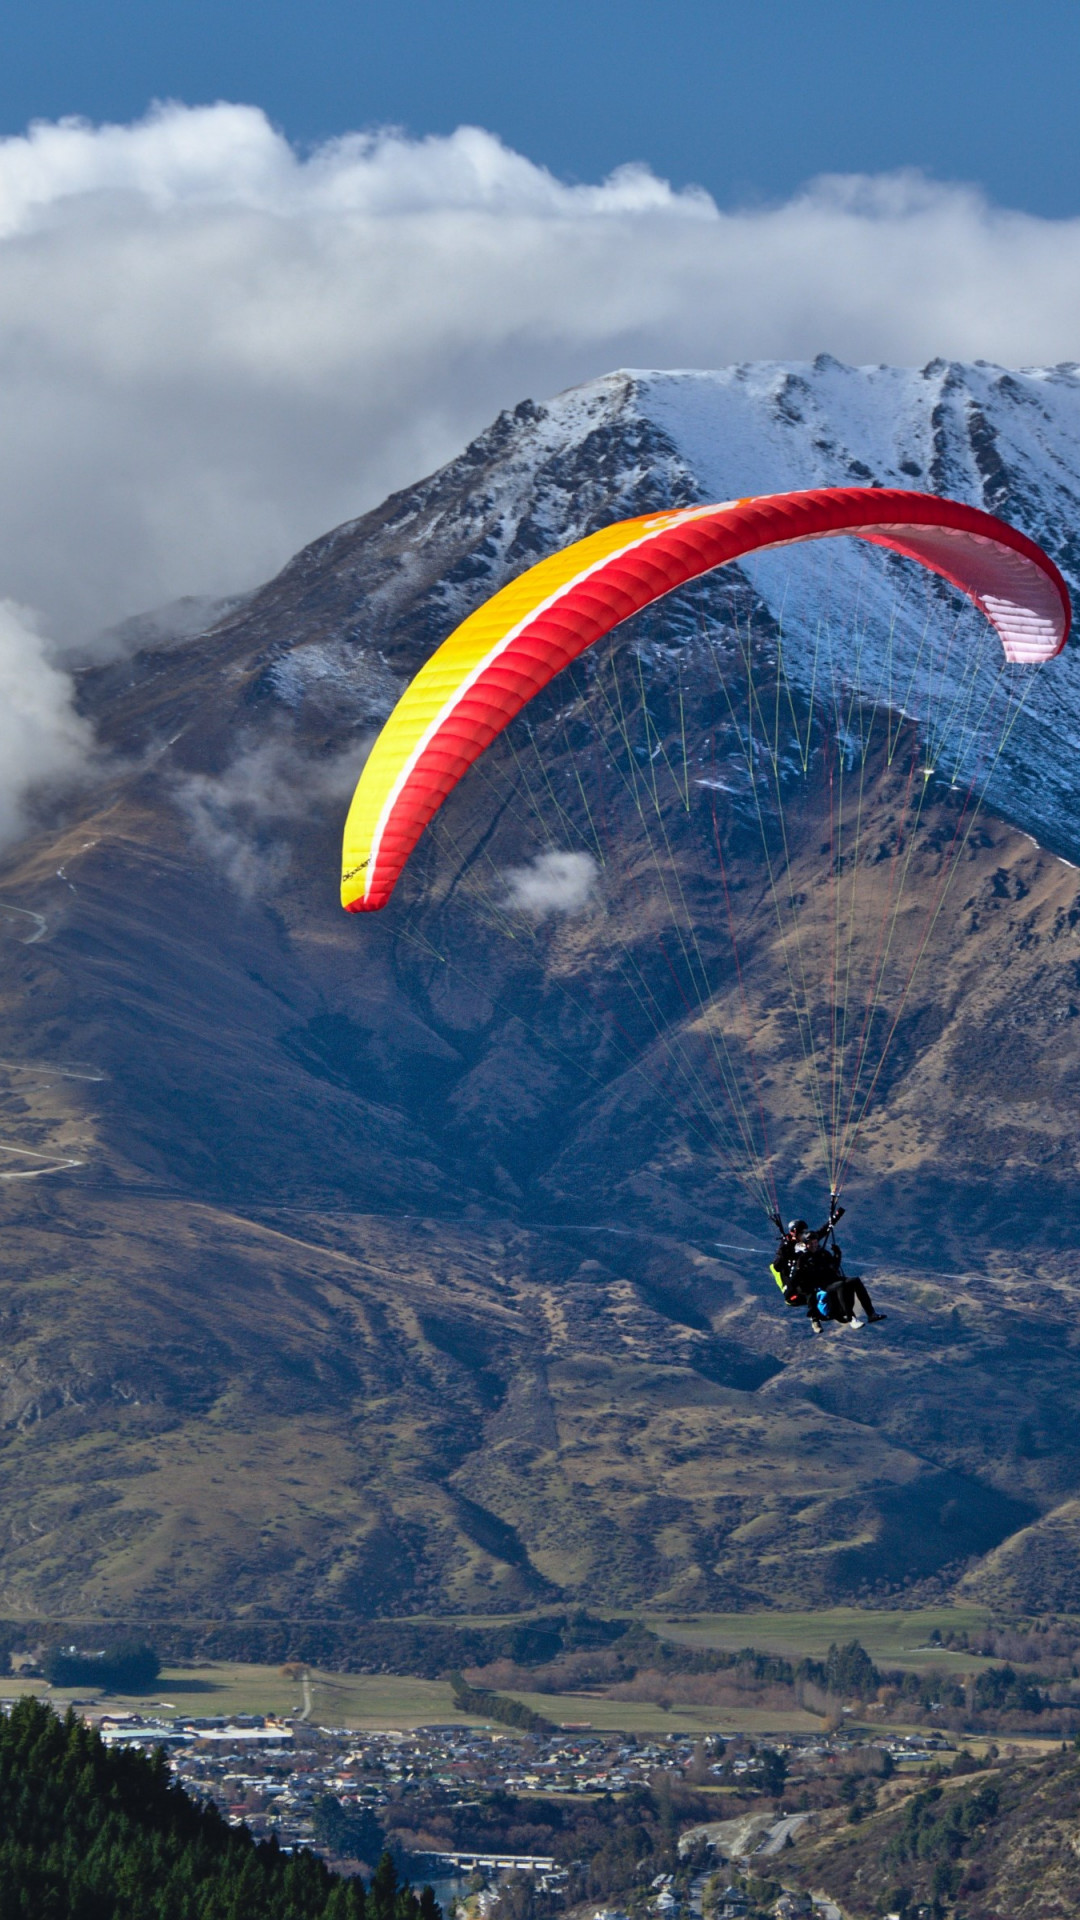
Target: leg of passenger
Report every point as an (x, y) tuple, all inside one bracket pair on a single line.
[(860, 1294)]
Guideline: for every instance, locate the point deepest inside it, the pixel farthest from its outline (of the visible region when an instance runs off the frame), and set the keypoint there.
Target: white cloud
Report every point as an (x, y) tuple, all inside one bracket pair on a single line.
[(213, 349), (552, 883), (42, 738), (235, 818)]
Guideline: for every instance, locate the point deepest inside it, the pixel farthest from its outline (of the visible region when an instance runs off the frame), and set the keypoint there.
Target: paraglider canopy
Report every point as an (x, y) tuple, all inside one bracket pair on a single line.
[(513, 645)]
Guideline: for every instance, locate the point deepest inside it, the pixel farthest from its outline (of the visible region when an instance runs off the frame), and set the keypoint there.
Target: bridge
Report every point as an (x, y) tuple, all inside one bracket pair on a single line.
[(493, 1862)]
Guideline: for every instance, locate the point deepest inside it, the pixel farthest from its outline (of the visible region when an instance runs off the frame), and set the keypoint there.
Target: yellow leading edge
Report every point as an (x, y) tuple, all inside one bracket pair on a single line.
[(441, 681)]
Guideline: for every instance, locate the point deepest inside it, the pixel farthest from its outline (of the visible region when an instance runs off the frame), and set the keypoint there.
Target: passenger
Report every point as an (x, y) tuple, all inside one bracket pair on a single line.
[(808, 1269)]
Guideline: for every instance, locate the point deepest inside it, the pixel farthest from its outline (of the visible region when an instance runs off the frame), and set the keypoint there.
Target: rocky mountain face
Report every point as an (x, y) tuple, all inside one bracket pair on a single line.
[(365, 1270)]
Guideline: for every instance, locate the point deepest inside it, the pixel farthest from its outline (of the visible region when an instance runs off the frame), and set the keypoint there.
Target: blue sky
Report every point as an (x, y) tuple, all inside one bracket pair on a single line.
[(747, 99)]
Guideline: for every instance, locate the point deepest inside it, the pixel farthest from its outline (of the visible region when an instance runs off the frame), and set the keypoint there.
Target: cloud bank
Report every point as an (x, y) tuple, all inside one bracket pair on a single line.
[(212, 348)]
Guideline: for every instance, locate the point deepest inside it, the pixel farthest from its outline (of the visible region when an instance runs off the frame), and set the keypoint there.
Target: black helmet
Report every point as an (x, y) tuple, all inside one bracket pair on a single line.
[(796, 1226)]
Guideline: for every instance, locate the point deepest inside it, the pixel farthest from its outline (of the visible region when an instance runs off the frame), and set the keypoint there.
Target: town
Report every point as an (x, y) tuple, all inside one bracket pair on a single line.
[(347, 1794)]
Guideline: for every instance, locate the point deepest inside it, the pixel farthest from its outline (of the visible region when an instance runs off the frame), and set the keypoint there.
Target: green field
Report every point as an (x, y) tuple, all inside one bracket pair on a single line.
[(642, 1716), (895, 1639)]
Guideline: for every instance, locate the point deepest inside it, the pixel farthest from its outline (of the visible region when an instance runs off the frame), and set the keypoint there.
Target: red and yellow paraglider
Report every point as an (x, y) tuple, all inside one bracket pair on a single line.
[(513, 645)]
